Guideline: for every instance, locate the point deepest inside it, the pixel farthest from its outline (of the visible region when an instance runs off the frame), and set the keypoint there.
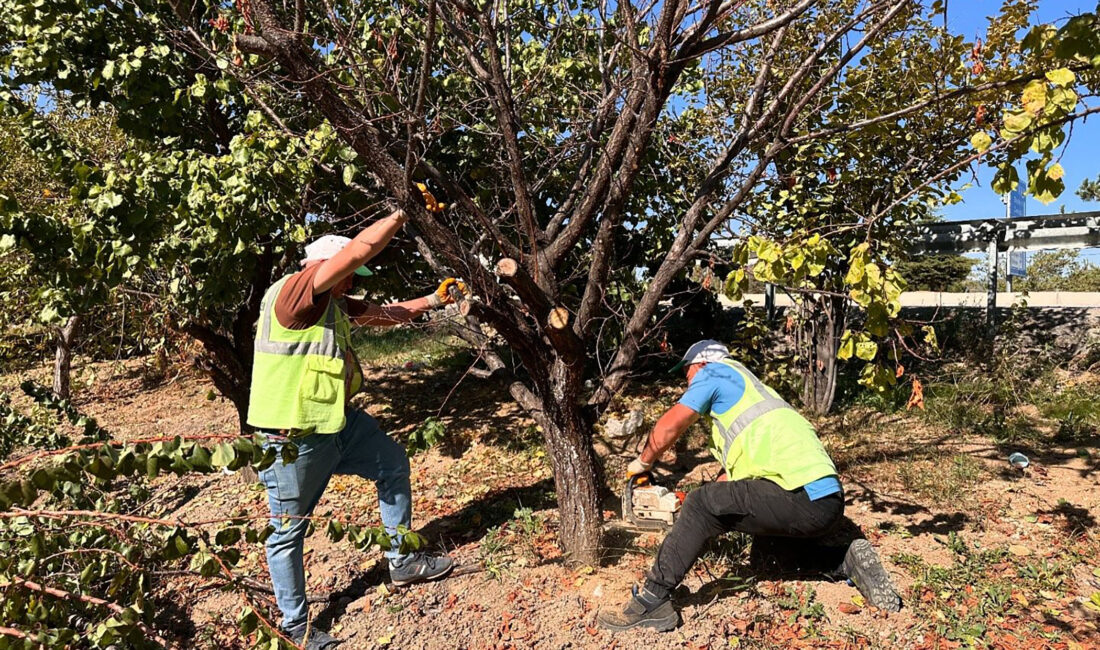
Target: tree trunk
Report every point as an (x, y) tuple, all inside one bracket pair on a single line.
[(227, 366), (63, 362), (822, 320), (569, 442)]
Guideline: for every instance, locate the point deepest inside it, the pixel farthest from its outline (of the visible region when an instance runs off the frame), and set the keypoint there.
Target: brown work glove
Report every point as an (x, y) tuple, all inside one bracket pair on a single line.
[(430, 202), (443, 295)]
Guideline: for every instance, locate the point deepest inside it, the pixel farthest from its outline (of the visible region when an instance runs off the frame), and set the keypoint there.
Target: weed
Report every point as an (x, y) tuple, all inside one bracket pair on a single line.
[(429, 433), (956, 544), (981, 585), (428, 346), (803, 606), (1074, 428), (893, 528), (943, 479), (529, 524), (511, 543), (493, 548)]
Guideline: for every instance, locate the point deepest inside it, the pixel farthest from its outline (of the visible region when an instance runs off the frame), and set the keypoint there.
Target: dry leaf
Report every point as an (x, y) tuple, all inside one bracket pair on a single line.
[(1019, 550), (848, 608), (916, 398)]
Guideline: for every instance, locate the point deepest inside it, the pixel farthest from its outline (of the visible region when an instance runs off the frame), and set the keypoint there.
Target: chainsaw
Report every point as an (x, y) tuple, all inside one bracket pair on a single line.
[(647, 506)]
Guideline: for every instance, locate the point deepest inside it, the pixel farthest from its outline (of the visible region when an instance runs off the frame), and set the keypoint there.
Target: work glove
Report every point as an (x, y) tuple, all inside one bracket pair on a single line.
[(637, 467), (430, 201), (443, 295)]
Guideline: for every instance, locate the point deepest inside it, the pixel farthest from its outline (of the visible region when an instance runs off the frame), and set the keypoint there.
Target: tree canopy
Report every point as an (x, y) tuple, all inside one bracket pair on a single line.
[(593, 155)]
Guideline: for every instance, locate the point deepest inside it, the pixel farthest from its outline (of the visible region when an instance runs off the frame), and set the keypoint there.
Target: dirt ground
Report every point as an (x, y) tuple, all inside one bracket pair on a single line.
[(986, 555)]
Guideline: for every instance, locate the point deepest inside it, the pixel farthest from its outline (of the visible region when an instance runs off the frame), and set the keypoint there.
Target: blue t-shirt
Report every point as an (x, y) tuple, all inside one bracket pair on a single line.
[(715, 389)]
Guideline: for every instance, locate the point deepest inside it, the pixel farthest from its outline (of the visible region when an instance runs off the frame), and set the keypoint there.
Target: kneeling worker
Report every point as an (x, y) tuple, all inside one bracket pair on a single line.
[(779, 485)]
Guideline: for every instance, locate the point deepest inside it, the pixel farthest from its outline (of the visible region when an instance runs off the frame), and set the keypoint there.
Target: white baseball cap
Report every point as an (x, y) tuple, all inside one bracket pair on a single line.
[(328, 246), (704, 351)]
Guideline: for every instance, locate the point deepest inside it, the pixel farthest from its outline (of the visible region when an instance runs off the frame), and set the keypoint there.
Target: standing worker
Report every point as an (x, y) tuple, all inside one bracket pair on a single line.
[(303, 377), (779, 485)]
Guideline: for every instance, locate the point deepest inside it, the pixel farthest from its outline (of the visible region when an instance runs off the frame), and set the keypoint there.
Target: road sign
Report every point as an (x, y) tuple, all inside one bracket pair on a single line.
[(1017, 263), (1017, 204)]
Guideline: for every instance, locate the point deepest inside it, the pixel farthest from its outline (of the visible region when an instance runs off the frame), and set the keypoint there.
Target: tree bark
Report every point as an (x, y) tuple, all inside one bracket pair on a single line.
[(821, 322), (63, 361), (576, 471)]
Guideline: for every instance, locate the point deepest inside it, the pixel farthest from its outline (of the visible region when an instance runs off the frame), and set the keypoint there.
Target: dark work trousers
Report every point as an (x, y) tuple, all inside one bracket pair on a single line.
[(786, 527)]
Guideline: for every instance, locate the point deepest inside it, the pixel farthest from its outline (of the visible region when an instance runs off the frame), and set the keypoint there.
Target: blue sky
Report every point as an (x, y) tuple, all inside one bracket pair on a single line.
[(968, 18)]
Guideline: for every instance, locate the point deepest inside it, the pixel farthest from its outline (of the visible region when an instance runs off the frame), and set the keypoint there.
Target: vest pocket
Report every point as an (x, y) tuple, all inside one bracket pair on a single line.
[(322, 380)]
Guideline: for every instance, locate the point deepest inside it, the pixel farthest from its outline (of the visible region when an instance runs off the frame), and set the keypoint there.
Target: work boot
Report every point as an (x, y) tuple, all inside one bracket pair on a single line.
[(644, 610), (862, 566), (419, 567), (311, 638)]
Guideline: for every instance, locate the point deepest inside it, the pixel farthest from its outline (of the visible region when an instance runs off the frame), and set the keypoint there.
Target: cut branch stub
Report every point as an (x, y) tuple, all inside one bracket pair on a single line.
[(515, 276), (507, 268), (558, 318)]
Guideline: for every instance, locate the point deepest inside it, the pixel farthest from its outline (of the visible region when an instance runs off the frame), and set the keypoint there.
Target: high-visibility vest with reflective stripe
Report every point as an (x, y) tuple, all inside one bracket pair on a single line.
[(762, 436), (298, 376)]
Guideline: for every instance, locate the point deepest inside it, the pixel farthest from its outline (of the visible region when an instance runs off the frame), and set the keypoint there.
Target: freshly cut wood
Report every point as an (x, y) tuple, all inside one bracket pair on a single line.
[(507, 267), (558, 318)]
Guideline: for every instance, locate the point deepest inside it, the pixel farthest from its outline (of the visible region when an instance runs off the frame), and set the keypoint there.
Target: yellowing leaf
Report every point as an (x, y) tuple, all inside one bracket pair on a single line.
[(1034, 98), (1061, 76), (866, 350), (1017, 122), (1056, 171), (981, 141)]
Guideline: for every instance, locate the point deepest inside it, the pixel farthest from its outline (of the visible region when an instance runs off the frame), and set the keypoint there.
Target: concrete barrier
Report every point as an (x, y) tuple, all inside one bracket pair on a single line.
[(937, 299)]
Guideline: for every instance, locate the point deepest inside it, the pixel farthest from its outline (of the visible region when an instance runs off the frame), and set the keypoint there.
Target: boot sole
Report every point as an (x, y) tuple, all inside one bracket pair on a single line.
[(863, 568), (666, 624), (414, 580)]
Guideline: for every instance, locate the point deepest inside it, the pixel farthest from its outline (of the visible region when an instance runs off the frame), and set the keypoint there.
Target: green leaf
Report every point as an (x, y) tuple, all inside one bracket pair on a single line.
[(349, 174), (228, 536), (223, 455)]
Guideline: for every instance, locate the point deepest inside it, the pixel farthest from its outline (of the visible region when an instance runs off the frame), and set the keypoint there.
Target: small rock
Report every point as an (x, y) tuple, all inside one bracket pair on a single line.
[(626, 427), (848, 608)]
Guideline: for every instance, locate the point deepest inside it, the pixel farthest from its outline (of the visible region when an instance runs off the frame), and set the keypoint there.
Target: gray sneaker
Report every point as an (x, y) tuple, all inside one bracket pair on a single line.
[(419, 567), (311, 638), (863, 568)]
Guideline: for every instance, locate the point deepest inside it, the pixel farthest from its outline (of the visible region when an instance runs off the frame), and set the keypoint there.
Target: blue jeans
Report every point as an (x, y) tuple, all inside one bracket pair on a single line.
[(362, 449)]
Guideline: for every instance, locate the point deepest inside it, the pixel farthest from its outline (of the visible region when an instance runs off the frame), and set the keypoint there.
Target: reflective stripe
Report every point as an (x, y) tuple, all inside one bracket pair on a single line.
[(751, 414), (326, 347)]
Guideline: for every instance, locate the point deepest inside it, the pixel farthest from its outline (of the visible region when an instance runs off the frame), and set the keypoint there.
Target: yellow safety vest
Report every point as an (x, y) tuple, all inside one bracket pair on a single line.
[(298, 376), (762, 436)]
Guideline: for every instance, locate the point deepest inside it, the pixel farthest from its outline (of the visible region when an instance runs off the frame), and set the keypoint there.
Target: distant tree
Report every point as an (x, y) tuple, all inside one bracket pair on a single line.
[(1061, 270), (936, 272), (1089, 190)]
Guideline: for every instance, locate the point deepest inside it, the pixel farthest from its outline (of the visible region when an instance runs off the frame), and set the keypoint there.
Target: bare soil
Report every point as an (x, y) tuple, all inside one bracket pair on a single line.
[(918, 493)]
